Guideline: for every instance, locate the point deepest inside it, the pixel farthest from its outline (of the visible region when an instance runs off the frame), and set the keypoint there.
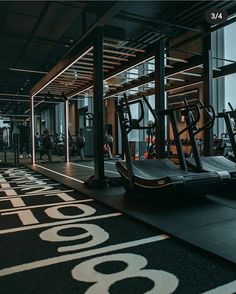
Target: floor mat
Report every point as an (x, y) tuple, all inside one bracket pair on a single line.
[(54, 240)]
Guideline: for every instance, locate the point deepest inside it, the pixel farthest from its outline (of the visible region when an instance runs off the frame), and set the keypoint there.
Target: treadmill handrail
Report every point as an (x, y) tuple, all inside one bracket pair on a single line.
[(210, 123), (149, 107), (128, 109), (185, 108), (192, 132), (127, 125), (227, 115), (234, 112), (210, 114), (133, 124), (194, 120), (151, 110)]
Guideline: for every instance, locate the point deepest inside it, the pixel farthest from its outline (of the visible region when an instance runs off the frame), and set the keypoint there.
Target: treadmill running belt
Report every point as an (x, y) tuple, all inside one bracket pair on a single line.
[(214, 164), (163, 173)]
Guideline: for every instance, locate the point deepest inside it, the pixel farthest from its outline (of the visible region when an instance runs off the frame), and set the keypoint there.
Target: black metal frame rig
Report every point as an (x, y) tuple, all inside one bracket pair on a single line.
[(227, 115), (129, 124)]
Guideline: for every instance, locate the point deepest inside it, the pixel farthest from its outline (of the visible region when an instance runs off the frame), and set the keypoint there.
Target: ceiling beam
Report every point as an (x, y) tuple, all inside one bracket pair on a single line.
[(81, 46), (202, 35), (179, 67), (164, 27), (225, 70)]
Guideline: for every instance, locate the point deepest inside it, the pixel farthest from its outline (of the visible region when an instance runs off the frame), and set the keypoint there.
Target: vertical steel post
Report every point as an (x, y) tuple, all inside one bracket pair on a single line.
[(5, 153), (16, 154), (208, 93), (160, 97), (66, 121), (32, 129), (98, 105)]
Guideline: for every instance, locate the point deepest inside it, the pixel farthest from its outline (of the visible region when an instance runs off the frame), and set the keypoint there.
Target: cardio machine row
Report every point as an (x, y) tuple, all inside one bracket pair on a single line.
[(198, 174)]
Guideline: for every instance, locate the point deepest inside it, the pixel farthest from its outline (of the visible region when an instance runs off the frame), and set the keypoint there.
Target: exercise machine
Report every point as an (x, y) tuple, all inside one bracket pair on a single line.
[(159, 175), (209, 163), (88, 134), (230, 122)]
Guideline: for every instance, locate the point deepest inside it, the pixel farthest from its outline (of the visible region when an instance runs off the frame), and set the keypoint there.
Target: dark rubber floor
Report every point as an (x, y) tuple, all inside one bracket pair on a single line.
[(56, 240), (187, 218)]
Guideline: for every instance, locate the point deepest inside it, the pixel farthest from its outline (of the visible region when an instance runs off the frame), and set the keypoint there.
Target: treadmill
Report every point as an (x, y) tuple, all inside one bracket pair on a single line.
[(228, 116), (199, 163), (158, 176)]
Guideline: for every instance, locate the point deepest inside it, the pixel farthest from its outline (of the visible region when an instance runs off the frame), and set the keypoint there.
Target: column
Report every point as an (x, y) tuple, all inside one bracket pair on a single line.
[(66, 120), (160, 97), (98, 105), (207, 92), (32, 129)]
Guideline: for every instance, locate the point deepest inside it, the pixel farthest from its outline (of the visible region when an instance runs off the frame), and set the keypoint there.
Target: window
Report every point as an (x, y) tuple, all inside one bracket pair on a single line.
[(224, 91), (230, 42)]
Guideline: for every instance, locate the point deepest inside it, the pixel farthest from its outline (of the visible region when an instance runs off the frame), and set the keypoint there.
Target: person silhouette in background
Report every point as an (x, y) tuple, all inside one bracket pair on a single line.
[(80, 143), (37, 141), (24, 137), (108, 141), (46, 145)]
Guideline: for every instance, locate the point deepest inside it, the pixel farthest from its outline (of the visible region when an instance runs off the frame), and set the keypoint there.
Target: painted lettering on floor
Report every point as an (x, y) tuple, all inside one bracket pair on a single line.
[(163, 281), (76, 230)]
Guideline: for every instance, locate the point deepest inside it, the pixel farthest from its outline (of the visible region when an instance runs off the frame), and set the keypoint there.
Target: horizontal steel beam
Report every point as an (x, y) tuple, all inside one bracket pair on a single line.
[(202, 35), (154, 23), (179, 67), (224, 70), (168, 88)]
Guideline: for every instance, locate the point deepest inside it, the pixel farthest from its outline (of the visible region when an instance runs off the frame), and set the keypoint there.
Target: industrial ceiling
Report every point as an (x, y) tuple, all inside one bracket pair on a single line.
[(34, 35)]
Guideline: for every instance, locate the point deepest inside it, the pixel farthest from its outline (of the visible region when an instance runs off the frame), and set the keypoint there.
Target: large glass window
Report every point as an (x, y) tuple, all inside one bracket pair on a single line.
[(224, 53), (230, 90), (230, 57), (230, 42)]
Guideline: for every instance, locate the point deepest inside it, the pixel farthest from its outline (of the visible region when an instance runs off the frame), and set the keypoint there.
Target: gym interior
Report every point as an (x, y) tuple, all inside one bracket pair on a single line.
[(117, 147)]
